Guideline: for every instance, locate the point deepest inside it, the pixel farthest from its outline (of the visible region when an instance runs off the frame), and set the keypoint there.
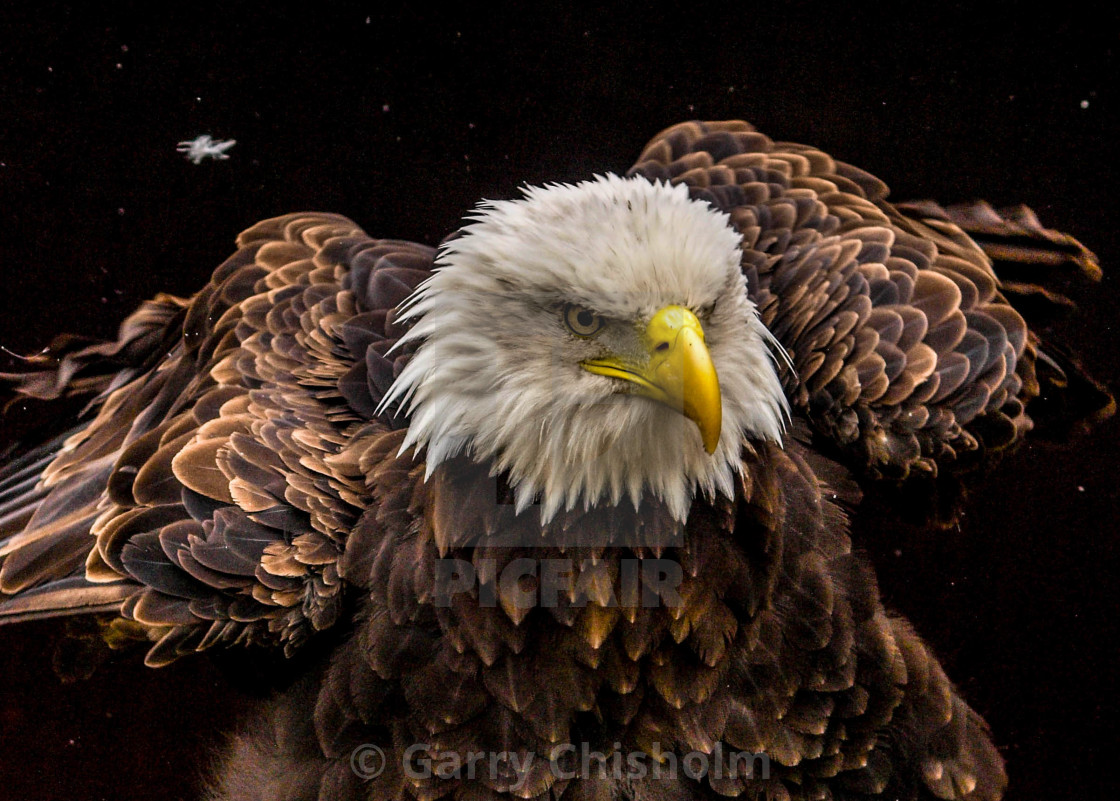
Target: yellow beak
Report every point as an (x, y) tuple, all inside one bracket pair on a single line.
[(678, 371)]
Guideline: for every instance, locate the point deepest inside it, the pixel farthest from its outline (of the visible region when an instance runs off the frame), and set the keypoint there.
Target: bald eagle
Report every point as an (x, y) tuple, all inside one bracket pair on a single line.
[(570, 484)]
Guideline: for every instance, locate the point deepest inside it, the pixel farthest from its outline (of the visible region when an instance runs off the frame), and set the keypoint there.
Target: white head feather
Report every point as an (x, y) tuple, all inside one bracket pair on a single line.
[(498, 374)]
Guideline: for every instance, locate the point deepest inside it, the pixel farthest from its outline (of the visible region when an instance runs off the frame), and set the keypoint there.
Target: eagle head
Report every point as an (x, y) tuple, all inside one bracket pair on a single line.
[(594, 342)]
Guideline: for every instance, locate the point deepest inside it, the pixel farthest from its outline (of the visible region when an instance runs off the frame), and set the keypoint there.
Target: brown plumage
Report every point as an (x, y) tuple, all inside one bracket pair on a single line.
[(235, 484), (907, 351)]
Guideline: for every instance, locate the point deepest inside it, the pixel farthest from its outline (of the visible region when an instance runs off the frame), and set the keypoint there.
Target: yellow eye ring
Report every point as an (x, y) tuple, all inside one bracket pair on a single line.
[(582, 322)]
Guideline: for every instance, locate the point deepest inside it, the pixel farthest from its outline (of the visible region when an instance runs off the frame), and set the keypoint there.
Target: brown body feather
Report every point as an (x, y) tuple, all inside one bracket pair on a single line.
[(235, 485)]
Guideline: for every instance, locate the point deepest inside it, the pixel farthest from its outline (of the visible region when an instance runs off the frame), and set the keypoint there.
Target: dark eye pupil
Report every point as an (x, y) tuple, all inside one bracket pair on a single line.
[(585, 319)]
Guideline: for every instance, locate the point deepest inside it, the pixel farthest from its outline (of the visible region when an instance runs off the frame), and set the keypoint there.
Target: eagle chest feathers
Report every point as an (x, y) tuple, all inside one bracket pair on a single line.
[(759, 633), (541, 481)]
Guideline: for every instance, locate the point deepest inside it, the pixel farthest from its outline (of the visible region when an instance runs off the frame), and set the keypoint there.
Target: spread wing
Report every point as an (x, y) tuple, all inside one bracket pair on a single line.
[(908, 350), (234, 478), (209, 497)]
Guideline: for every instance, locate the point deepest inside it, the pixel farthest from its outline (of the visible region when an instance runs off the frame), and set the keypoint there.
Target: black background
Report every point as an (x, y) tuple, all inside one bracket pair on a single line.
[(404, 120)]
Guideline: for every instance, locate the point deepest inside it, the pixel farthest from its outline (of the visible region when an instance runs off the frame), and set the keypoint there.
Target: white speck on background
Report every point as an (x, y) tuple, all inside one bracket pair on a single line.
[(205, 146)]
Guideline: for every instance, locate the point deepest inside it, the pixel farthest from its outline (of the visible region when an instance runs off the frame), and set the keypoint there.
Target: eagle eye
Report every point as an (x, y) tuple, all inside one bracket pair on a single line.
[(582, 322)]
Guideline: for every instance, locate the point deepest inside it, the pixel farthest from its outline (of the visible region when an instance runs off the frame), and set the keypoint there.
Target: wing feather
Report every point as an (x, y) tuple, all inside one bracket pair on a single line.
[(799, 210), (210, 487)]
